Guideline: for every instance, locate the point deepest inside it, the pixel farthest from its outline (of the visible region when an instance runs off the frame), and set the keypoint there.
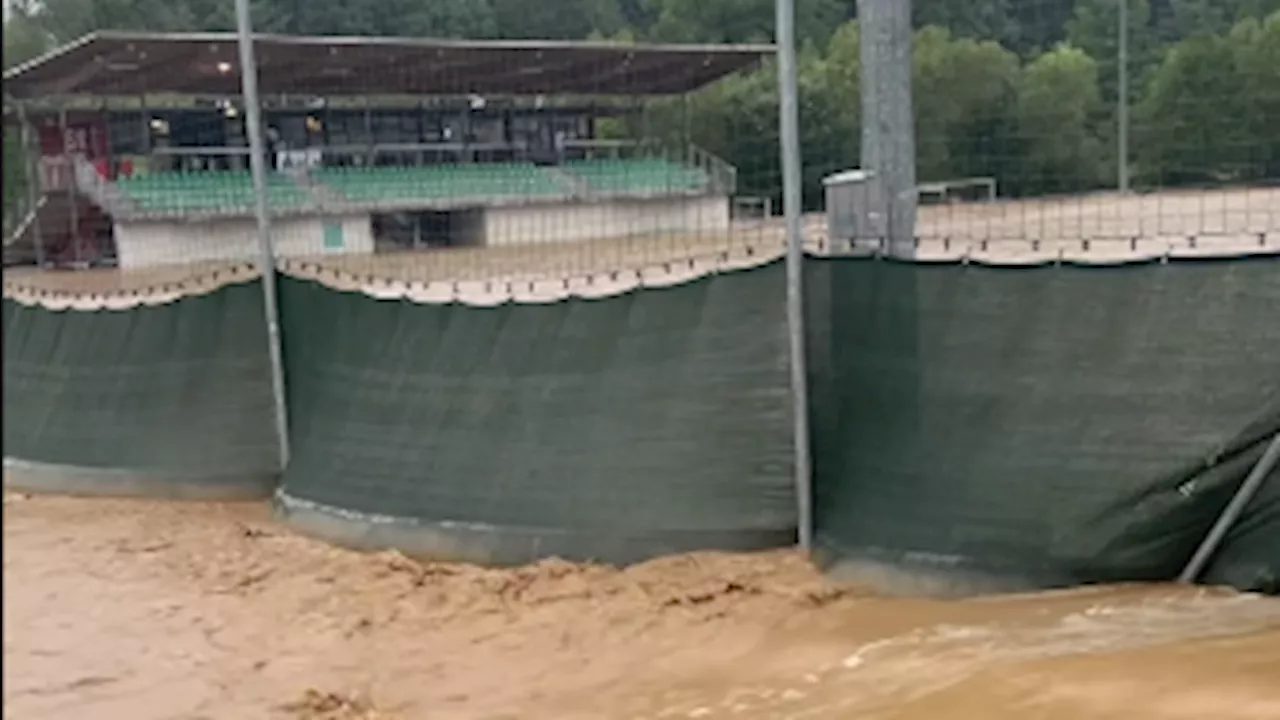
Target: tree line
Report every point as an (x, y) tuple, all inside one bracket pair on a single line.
[(1022, 90)]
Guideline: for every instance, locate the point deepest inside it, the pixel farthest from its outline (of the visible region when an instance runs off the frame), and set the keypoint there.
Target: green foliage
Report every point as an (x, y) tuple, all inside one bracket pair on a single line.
[(1257, 46), (737, 119), (1025, 90), (15, 179), (1186, 18), (1208, 112), (566, 19), (1094, 28), (1057, 112), (964, 94), (741, 20), (23, 40), (981, 19)]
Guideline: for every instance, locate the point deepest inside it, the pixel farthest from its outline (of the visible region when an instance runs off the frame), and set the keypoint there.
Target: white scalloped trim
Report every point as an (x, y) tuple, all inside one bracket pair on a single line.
[(1103, 252), (499, 291), (31, 295)]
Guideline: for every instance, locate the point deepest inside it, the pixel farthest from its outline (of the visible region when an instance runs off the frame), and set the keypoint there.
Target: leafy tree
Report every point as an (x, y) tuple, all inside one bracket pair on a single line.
[(66, 20), (986, 19), (15, 178), (1057, 115), (1257, 47), (741, 20), (1039, 25), (23, 40), (1094, 28), (1190, 127), (737, 119), (1022, 89), (842, 87), (1182, 19), (556, 18), (964, 96)]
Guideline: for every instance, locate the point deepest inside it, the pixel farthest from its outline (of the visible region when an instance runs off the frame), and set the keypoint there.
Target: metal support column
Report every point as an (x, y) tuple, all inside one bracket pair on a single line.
[(1122, 117), (368, 132), (266, 261), (792, 203), (73, 212), (686, 123), (35, 180), (1268, 462), (888, 117)]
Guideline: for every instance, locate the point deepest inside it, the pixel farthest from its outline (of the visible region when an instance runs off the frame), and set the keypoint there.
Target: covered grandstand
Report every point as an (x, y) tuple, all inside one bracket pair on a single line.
[(435, 403), (602, 373), (374, 143)]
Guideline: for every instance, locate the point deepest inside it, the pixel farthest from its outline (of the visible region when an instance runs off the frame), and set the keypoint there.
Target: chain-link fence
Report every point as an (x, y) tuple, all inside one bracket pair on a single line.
[(463, 233), (1045, 421), (1022, 113), (471, 207)]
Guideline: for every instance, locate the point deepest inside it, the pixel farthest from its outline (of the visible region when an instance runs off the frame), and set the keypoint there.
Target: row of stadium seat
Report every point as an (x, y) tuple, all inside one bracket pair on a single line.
[(211, 190), (441, 181), (643, 175), (206, 190)]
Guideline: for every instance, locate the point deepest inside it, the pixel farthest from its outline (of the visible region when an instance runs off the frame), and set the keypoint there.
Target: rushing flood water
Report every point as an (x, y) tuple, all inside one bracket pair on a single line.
[(138, 610)]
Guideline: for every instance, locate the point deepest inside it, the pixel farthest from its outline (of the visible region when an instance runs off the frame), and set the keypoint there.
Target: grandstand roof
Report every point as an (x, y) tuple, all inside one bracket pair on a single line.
[(127, 63)]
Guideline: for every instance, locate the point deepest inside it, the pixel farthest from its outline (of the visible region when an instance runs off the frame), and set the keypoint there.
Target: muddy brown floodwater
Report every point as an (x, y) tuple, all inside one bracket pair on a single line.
[(142, 611)]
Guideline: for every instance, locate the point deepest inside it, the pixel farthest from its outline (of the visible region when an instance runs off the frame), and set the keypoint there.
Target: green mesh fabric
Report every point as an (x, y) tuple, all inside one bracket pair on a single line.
[(611, 429), (979, 428), (178, 391)]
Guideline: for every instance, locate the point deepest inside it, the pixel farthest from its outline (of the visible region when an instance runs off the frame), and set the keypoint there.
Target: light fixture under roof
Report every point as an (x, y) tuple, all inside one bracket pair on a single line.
[(224, 67)]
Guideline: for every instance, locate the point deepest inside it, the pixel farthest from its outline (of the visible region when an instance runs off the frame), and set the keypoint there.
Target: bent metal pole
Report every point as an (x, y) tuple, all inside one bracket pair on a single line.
[(266, 262), (1268, 462), (789, 122)]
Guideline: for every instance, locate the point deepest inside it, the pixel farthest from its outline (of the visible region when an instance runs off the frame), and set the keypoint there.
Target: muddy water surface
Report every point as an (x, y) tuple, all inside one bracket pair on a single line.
[(140, 611)]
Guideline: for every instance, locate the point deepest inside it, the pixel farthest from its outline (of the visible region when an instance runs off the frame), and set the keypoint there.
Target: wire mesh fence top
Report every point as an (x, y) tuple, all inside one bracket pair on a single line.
[(637, 135)]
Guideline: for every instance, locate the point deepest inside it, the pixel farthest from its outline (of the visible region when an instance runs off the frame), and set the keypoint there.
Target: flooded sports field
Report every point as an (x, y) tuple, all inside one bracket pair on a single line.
[(141, 610)]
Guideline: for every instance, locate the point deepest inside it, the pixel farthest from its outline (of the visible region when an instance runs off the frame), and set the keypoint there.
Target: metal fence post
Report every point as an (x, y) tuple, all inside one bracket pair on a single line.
[(257, 165), (789, 121), (1122, 119), (34, 167)]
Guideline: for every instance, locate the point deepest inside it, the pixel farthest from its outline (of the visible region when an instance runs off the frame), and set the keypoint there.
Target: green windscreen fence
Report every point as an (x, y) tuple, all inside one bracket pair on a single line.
[(173, 399), (981, 428), (613, 429)]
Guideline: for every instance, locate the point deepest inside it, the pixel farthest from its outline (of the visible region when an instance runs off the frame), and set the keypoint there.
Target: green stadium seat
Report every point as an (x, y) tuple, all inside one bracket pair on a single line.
[(441, 182), (637, 175), (207, 190)]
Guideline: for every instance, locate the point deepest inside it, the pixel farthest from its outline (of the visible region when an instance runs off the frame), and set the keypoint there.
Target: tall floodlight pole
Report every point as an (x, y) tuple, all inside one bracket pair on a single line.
[(789, 122), (888, 117), (1122, 117), (266, 258)]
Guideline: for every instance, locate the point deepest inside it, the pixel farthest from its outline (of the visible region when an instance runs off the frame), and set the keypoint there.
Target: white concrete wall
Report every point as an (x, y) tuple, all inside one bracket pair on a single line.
[(530, 224), (151, 243)]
